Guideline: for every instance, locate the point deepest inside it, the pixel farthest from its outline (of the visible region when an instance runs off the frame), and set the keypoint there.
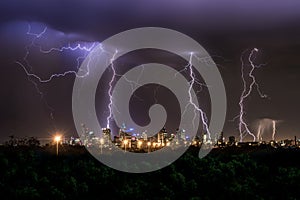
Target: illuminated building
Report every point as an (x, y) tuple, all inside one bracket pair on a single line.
[(84, 136), (181, 135), (221, 140), (106, 136), (196, 141), (162, 135), (144, 136)]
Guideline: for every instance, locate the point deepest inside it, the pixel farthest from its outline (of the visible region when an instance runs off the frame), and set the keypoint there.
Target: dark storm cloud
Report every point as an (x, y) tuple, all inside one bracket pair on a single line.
[(94, 17)]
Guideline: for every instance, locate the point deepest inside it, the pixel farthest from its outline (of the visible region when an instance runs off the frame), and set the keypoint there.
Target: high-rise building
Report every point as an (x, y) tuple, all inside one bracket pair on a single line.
[(204, 138), (162, 135), (106, 135), (231, 140), (221, 138), (144, 136), (181, 134)]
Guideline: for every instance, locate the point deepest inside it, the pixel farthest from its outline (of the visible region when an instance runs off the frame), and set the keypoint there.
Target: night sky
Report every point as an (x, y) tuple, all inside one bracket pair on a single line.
[(224, 28)]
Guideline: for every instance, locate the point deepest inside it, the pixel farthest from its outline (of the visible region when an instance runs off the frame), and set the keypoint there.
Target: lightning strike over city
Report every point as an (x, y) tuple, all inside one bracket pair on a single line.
[(110, 104), (191, 101), (247, 90), (134, 99)]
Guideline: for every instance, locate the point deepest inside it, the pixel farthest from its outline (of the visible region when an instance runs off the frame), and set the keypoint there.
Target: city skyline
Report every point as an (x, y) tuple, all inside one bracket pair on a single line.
[(160, 99)]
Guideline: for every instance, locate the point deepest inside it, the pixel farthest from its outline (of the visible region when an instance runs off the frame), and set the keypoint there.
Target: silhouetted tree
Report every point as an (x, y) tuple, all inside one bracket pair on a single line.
[(32, 142)]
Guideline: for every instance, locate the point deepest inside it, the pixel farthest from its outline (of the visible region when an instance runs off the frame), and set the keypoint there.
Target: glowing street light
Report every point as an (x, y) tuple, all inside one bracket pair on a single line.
[(57, 139)]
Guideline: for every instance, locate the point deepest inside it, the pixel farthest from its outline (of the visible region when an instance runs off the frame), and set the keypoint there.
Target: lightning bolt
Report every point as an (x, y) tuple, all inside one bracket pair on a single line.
[(247, 90), (274, 129), (34, 78), (61, 49), (196, 108), (259, 137), (110, 90), (134, 84), (192, 83)]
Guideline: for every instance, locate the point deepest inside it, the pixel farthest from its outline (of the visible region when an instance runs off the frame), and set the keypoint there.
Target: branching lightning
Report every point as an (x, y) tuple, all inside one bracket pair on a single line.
[(34, 78), (61, 49), (247, 90), (196, 108), (192, 83)]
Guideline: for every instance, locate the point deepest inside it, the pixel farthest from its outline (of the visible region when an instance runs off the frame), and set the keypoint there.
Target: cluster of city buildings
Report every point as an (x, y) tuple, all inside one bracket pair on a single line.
[(135, 142), (287, 143), (130, 141)]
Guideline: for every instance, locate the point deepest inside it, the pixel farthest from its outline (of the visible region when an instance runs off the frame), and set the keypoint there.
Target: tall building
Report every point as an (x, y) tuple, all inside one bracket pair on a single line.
[(221, 140), (206, 140), (144, 136), (86, 135), (181, 134), (106, 135), (162, 135), (231, 141)]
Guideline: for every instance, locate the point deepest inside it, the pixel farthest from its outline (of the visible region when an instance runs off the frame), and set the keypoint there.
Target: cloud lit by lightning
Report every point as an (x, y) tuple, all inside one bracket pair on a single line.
[(266, 126)]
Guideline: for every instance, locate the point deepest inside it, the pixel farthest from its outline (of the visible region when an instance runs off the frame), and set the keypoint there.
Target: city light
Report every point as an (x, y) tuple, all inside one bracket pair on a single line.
[(101, 141), (125, 143), (149, 144), (57, 139), (140, 143), (101, 144)]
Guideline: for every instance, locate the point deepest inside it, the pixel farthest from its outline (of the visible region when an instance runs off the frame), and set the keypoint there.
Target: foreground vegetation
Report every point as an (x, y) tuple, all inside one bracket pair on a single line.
[(36, 172)]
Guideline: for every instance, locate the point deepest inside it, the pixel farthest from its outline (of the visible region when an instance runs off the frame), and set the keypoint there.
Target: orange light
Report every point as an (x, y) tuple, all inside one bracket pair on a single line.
[(57, 138)]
